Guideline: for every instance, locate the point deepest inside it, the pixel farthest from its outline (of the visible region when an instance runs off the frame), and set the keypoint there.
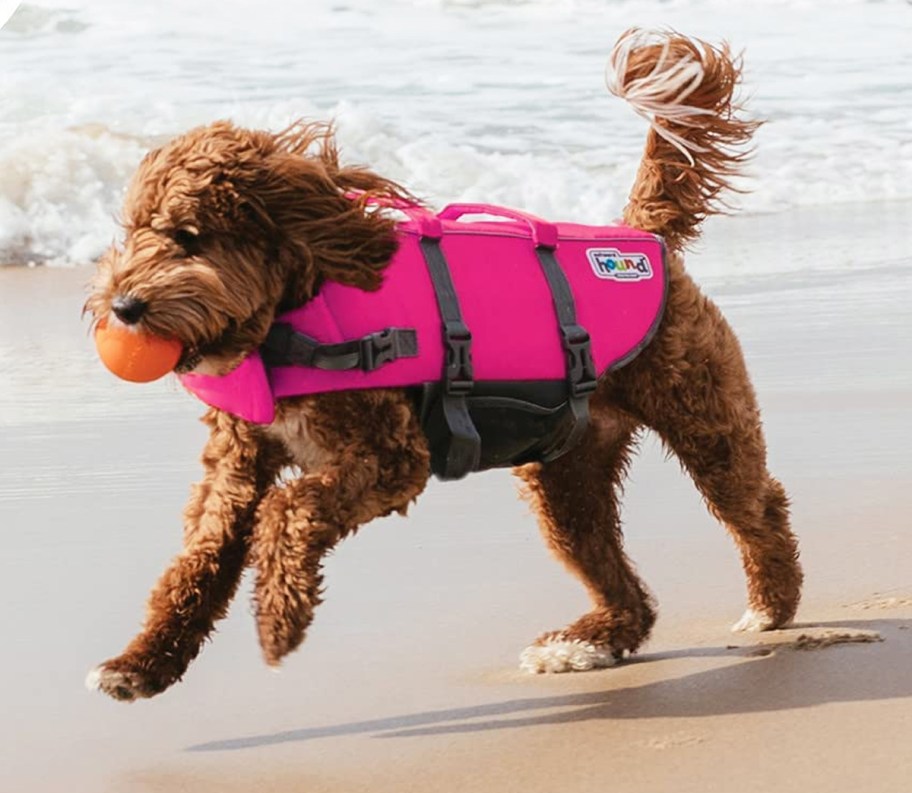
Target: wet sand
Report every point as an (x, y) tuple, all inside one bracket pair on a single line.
[(408, 680)]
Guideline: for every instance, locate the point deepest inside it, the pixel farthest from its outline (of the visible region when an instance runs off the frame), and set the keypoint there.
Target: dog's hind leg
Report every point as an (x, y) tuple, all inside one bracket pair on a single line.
[(691, 385), (576, 501), (197, 587)]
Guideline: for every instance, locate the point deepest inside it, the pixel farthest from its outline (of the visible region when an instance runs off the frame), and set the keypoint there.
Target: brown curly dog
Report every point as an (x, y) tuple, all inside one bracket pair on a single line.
[(227, 227)]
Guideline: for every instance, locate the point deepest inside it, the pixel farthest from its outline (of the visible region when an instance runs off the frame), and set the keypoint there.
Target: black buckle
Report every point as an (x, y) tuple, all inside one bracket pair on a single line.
[(377, 349), (459, 376), (387, 345), (580, 367)]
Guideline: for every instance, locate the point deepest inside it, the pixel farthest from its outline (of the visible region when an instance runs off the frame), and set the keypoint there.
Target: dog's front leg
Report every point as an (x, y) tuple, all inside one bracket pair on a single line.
[(196, 588), (374, 463), (296, 526)]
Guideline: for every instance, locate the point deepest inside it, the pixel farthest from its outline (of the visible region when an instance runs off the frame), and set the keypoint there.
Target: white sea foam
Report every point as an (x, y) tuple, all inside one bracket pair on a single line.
[(498, 100)]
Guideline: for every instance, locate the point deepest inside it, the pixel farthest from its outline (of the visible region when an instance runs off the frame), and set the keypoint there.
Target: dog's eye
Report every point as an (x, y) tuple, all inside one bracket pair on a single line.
[(188, 240)]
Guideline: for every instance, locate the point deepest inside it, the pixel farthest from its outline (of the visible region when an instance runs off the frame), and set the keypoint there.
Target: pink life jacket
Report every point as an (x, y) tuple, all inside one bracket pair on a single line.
[(506, 295)]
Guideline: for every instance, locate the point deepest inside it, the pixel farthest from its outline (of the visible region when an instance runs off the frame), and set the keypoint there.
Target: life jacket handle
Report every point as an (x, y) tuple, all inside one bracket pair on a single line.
[(544, 234)]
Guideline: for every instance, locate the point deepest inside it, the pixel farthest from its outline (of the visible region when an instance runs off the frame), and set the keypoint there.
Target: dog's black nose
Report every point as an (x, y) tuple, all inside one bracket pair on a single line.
[(128, 309)]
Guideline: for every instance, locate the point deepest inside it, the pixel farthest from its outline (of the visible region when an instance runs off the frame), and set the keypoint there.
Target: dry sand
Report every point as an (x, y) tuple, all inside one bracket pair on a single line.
[(408, 680)]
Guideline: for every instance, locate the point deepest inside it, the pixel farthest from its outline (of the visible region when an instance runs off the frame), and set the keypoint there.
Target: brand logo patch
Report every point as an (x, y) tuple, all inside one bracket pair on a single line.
[(610, 263)]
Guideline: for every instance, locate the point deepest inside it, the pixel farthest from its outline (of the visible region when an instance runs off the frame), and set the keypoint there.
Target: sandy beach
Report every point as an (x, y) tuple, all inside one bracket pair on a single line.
[(408, 680)]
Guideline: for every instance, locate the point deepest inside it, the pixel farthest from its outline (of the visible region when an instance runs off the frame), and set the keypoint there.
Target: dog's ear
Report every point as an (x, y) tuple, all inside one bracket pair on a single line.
[(321, 231)]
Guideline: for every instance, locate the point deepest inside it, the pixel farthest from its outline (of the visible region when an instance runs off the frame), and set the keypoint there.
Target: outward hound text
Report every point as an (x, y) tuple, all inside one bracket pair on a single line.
[(612, 264)]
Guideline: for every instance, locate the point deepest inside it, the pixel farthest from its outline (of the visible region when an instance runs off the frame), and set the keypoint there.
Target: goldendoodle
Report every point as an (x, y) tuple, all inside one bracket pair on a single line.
[(229, 228)]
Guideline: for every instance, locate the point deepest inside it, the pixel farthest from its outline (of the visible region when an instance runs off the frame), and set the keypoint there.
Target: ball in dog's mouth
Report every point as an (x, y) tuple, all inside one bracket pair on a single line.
[(135, 355)]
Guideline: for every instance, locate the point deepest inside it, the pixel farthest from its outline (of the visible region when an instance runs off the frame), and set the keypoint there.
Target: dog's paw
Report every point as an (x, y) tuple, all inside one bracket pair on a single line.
[(121, 684), (754, 621), (565, 655)]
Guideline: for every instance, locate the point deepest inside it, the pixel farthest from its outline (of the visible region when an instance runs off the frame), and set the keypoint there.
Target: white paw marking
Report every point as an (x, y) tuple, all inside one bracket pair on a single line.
[(115, 684), (753, 621), (562, 655), (93, 679)]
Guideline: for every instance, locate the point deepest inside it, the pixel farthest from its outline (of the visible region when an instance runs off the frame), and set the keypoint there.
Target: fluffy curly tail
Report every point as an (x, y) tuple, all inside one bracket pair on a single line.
[(685, 89)]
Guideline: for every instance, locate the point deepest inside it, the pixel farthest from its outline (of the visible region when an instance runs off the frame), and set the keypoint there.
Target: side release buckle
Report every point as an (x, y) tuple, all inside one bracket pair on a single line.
[(458, 373), (581, 374), (386, 345)]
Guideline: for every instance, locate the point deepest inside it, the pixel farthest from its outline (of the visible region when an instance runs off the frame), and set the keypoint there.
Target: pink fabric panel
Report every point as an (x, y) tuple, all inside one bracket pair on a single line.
[(505, 301), (405, 300), (244, 392), (618, 314), (507, 305)]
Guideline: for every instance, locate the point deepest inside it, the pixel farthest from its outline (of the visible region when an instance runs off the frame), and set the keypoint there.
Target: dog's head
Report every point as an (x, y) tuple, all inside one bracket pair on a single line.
[(226, 227)]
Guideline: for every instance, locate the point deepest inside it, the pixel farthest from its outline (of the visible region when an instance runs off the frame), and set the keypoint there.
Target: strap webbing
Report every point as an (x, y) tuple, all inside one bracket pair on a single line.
[(464, 452), (581, 375), (284, 346)]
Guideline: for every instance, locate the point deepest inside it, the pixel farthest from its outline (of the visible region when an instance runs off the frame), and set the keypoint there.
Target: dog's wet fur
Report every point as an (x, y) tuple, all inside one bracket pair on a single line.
[(227, 227)]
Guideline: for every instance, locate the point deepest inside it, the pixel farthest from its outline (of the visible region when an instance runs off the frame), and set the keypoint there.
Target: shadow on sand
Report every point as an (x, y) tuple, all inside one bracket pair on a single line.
[(784, 679)]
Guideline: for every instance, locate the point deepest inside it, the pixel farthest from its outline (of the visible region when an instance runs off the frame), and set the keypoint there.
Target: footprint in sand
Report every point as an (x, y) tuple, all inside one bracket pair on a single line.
[(818, 638), (809, 637), (881, 602)]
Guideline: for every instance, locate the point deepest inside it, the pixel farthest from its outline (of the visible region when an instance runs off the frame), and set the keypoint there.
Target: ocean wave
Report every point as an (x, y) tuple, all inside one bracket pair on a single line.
[(457, 105), (60, 192)]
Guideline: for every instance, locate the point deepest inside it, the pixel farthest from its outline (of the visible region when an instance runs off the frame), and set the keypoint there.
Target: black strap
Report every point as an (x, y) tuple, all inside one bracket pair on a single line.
[(464, 451), (284, 346), (581, 375)]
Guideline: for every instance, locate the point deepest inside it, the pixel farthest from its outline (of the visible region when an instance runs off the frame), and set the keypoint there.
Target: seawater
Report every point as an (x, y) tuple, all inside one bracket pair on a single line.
[(458, 99)]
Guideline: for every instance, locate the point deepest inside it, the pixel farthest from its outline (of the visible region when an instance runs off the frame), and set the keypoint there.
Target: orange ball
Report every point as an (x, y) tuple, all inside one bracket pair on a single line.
[(136, 356)]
